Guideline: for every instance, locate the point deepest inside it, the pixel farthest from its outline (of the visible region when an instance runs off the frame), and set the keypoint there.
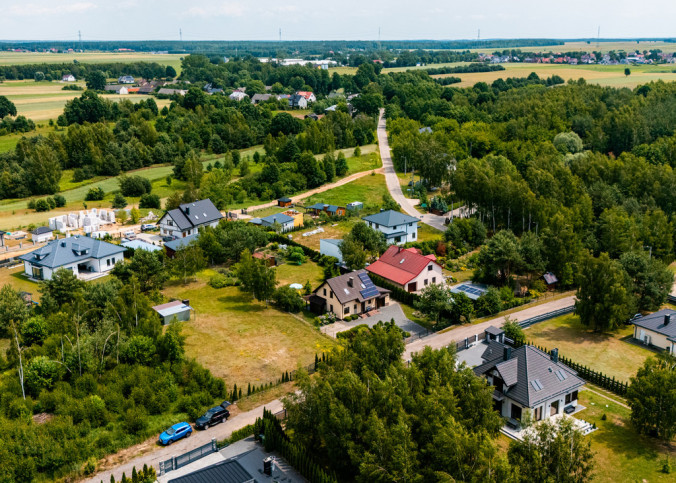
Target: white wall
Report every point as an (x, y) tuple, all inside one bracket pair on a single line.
[(330, 249), (656, 339), (411, 230), (42, 238), (428, 275)]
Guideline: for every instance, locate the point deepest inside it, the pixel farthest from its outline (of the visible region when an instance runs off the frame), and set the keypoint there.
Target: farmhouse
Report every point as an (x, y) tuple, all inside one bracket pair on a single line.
[(68, 78), (176, 311), (188, 218), (331, 210), (349, 294), (527, 378), (309, 96), (657, 330), (42, 234), (331, 248), (170, 92), (397, 227), (407, 269), (256, 98), (117, 89), (125, 79), (237, 96), (297, 101), (86, 257)]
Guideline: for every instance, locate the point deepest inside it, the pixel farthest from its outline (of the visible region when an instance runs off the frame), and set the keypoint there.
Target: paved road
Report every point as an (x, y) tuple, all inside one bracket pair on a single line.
[(443, 339), (394, 186), (197, 439)]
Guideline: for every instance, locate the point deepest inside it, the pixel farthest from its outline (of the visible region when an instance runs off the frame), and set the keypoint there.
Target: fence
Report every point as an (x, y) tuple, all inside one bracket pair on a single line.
[(468, 342), (671, 299), (176, 462), (549, 315)]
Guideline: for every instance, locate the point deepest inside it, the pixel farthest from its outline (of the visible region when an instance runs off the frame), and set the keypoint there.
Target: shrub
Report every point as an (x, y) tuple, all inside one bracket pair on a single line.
[(119, 201), (42, 205), (149, 201), (220, 281), (288, 299), (135, 420), (95, 194), (134, 185), (60, 200)]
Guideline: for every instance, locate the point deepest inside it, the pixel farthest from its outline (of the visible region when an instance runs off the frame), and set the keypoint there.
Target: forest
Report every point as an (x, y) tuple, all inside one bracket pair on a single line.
[(146, 70)]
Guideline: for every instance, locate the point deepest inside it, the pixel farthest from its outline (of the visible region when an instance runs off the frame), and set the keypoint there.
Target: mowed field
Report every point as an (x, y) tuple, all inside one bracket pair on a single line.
[(605, 75), (625, 45), (22, 58), (41, 101)]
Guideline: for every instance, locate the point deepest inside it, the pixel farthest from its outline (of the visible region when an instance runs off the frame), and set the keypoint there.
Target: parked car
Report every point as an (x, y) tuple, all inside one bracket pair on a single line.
[(213, 416), (130, 235), (176, 432), (148, 227), (167, 238)]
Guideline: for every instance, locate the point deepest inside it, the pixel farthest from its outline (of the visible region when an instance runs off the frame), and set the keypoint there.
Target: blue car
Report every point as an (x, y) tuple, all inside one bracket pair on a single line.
[(176, 432)]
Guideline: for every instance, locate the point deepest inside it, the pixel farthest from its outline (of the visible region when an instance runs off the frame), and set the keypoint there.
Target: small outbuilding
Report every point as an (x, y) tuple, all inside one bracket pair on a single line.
[(42, 234), (176, 311), (284, 202), (550, 279)]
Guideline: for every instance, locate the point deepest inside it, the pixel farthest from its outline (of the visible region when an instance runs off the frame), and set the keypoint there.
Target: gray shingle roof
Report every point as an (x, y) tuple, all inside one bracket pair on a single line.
[(197, 213), (181, 242), (493, 330), (74, 249), (280, 218), (41, 230), (530, 374), (655, 322), (344, 293), (332, 241), (224, 472), (390, 218)]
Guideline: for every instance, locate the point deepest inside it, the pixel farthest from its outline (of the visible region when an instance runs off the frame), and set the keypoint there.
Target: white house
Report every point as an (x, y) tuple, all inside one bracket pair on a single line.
[(309, 96), (527, 378), (237, 96), (125, 79), (68, 78), (397, 227), (42, 234), (407, 268), (188, 218), (657, 330), (86, 257), (285, 221), (117, 89), (331, 248)]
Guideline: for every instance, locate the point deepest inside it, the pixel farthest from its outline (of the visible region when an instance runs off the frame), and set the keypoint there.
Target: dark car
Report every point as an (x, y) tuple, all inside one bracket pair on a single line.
[(213, 416), (167, 238)]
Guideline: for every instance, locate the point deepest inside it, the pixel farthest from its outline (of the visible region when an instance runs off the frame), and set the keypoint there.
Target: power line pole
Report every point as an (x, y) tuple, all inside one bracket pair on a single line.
[(598, 37), (79, 36), (280, 34), (180, 34)]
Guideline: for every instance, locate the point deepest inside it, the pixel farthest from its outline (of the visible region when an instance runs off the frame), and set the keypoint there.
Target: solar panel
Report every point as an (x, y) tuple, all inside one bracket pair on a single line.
[(370, 290)]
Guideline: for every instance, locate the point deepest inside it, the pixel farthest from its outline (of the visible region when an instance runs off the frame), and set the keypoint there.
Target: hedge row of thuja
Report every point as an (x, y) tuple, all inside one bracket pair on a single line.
[(146, 475), (398, 293), (269, 429), (590, 375)]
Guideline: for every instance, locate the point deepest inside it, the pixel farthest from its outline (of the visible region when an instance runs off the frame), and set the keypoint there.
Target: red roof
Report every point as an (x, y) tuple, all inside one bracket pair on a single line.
[(400, 265), (305, 94)]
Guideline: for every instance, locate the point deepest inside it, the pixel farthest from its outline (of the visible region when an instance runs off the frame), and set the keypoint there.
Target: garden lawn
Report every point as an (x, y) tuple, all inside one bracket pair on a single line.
[(243, 341), (309, 270), (620, 453), (367, 189), (427, 233), (610, 354), (15, 278)]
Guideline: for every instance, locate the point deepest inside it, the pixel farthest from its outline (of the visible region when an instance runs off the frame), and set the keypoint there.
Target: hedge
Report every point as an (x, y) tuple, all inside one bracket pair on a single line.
[(398, 293)]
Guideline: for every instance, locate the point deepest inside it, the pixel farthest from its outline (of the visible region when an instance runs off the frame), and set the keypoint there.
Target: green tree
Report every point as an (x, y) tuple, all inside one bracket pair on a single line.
[(354, 256), (652, 279), (7, 107), (513, 330), (187, 261), (95, 80), (119, 201), (604, 297), (652, 397), (39, 76), (499, 258), (434, 301), (135, 215), (287, 298), (95, 194), (193, 171), (149, 200), (568, 142), (170, 72), (256, 277), (627, 71), (295, 255)]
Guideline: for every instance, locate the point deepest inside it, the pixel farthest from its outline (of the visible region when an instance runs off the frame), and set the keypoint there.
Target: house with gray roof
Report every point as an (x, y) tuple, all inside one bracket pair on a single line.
[(349, 294), (188, 218), (86, 257), (527, 378), (286, 221), (174, 245), (657, 330), (397, 227), (42, 234), (331, 248)]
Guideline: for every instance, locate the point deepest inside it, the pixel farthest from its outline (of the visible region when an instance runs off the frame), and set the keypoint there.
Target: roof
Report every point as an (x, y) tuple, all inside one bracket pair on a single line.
[(332, 241), (530, 375), (306, 94), (400, 265), (66, 251), (229, 471), (493, 330), (181, 242), (140, 245), (280, 218), (390, 218), (655, 323), (171, 308), (361, 285), (284, 199), (197, 213), (550, 278), (261, 97), (41, 230)]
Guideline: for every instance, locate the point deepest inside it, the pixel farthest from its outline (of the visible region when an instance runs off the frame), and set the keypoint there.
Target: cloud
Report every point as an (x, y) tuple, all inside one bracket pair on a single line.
[(32, 9), (225, 10)]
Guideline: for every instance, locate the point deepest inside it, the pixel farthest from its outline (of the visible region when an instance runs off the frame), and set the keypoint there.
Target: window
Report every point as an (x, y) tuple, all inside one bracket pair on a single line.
[(538, 413), (571, 397), (331, 294), (413, 235), (426, 282), (330, 308), (434, 279), (324, 292), (354, 307), (346, 310), (429, 268)]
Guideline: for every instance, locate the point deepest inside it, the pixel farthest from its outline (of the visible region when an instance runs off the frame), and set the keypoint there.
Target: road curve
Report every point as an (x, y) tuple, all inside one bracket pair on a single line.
[(393, 184)]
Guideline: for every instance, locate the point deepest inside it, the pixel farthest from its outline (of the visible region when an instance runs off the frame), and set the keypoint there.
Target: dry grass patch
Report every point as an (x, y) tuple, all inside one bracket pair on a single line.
[(14, 277)]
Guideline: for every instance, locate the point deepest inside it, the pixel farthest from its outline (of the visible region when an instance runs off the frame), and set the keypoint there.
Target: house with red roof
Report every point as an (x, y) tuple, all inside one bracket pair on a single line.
[(309, 96), (407, 268)]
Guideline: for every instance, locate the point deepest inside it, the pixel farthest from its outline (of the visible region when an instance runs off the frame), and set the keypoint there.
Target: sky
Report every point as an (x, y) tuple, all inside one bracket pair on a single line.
[(335, 20)]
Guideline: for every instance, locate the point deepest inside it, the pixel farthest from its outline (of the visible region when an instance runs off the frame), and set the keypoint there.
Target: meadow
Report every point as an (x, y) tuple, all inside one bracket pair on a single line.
[(22, 58)]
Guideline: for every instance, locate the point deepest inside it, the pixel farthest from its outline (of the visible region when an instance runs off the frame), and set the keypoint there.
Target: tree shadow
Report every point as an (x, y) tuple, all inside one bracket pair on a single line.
[(241, 303)]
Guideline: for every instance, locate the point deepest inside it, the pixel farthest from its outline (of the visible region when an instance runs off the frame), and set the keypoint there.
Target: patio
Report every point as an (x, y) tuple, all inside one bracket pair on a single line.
[(518, 432)]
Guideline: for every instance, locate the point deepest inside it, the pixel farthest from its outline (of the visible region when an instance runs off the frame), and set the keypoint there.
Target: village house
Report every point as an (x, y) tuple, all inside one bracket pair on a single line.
[(287, 220), (86, 257), (237, 96), (309, 96), (188, 218), (407, 268), (397, 227), (256, 98), (117, 89), (527, 378), (42, 234), (170, 92), (351, 294), (331, 210), (68, 78), (297, 101), (125, 79), (657, 330)]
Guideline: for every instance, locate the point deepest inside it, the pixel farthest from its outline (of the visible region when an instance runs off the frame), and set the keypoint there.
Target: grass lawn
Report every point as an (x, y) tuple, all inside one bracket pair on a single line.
[(607, 353), (427, 233), (15, 278), (288, 274), (367, 189), (241, 340), (620, 453)]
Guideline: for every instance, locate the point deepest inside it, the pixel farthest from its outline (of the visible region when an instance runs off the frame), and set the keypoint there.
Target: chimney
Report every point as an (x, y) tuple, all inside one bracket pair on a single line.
[(185, 302), (667, 319), (350, 282), (506, 353), (554, 355)]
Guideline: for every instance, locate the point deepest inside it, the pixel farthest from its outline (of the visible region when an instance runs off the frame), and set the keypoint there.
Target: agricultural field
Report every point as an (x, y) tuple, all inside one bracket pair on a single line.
[(611, 354), (22, 58), (243, 341), (605, 75), (626, 45)]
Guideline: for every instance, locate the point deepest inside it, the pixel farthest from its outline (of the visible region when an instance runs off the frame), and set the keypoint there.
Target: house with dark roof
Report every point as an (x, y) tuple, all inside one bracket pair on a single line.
[(657, 330), (171, 247), (42, 234), (297, 101), (349, 294), (331, 210), (285, 221), (397, 227), (256, 98), (230, 471), (407, 268), (125, 79), (86, 257), (284, 202), (527, 378), (188, 218)]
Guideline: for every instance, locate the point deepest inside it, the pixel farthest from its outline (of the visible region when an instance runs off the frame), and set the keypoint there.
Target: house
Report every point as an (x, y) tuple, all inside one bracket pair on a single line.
[(297, 217), (331, 210), (188, 218), (210, 89), (170, 92), (657, 330), (171, 247), (86, 257), (117, 89), (527, 378), (297, 101), (349, 294), (287, 222), (309, 96), (237, 96), (269, 259), (125, 79), (407, 268), (284, 202), (397, 227), (355, 205), (42, 234), (68, 78), (176, 311), (331, 248), (550, 280), (256, 98)]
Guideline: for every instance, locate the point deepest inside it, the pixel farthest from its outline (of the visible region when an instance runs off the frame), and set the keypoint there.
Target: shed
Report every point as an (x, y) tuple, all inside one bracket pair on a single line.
[(550, 279), (284, 202), (178, 310), (42, 234), (355, 205), (495, 334)]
